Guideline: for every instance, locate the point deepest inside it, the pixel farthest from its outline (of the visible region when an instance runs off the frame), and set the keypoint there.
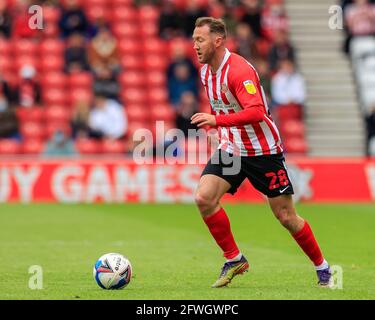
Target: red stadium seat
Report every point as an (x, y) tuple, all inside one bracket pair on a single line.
[(124, 14), (148, 29), (132, 79), (23, 47), (6, 64), (130, 46), (54, 80), (149, 13), (32, 130), (20, 61), (163, 112), (155, 62), (295, 145), (113, 146), (57, 114), (154, 46), (77, 95), (155, 79), (134, 96), (95, 12), (30, 114), (52, 47), (137, 112), (117, 3), (88, 146), (292, 128), (9, 146), (52, 63), (125, 30), (53, 126), (54, 96), (287, 112), (158, 95), (80, 80), (51, 14), (137, 125), (50, 30), (132, 62), (5, 47), (32, 146)]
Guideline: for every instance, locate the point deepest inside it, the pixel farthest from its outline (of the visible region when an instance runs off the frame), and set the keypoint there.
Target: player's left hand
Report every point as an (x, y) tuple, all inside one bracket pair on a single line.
[(202, 119)]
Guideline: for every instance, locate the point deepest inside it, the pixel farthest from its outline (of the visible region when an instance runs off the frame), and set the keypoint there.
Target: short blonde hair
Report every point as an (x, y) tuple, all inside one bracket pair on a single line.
[(215, 25)]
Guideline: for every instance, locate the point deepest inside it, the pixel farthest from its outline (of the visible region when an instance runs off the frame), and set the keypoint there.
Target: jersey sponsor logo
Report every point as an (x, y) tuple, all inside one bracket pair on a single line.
[(250, 87)]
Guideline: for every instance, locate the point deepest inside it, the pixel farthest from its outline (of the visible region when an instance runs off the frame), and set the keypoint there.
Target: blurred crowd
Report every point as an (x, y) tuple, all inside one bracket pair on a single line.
[(359, 23), (258, 30)]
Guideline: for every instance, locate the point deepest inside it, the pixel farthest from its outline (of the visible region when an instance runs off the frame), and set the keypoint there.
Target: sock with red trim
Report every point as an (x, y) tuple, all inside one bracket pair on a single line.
[(219, 226), (306, 240)]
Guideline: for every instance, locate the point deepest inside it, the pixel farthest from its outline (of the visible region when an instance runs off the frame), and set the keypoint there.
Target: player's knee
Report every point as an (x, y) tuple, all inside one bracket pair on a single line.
[(286, 216), (204, 201)]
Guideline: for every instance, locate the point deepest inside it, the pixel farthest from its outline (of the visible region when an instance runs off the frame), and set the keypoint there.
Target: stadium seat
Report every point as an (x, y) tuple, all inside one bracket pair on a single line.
[(5, 47), (295, 145), (32, 130), (132, 62), (30, 114), (80, 80), (110, 146), (155, 79), (9, 146), (20, 61), (132, 79), (53, 126), (286, 112), (137, 112), (158, 95), (23, 47), (53, 47), (148, 30), (54, 96), (137, 125), (149, 13), (124, 13), (54, 80), (155, 62), (122, 3), (51, 14), (32, 146), (130, 46), (52, 62), (88, 146), (163, 112), (95, 12), (125, 30), (292, 128), (133, 96), (58, 114), (154, 46)]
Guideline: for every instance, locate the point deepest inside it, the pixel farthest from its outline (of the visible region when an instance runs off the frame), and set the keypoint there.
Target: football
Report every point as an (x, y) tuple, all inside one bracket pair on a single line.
[(112, 271)]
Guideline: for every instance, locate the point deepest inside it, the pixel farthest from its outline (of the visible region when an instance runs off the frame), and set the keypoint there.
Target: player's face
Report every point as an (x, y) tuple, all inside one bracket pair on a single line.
[(204, 44)]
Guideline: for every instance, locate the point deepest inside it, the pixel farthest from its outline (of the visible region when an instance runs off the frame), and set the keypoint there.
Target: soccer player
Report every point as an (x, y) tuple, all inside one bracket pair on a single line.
[(247, 133)]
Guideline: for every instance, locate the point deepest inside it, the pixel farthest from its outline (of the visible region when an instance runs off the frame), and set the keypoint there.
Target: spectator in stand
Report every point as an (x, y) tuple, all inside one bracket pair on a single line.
[(182, 80), (273, 19), (360, 18), (5, 94), (5, 20), (252, 16), (287, 85), (75, 54), (263, 69), (73, 19), (170, 21), (187, 106), (59, 145), (281, 50), (21, 28), (8, 122), (245, 42), (103, 50), (178, 55), (105, 82), (27, 92), (107, 119), (80, 120), (193, 11), (370, 124)]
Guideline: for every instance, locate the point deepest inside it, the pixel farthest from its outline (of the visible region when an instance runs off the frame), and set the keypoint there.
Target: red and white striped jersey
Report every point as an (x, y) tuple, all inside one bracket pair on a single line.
[(235, 86)]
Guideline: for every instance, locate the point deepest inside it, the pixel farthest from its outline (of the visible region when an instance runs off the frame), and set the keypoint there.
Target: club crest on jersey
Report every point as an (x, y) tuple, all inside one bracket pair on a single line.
[(224, 88), (250, 87)]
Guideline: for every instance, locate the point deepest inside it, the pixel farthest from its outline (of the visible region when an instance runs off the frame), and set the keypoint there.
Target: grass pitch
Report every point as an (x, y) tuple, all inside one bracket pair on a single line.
[(173, 254)]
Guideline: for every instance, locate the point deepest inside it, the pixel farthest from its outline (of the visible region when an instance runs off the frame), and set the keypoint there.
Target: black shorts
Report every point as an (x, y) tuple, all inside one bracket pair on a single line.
[(267, 173)]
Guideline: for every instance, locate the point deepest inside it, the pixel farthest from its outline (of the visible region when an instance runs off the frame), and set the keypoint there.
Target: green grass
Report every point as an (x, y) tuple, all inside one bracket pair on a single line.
[(174, 256)]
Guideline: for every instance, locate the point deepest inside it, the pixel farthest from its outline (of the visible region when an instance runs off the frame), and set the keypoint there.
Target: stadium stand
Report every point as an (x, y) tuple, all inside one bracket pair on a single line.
[(146, 39)]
